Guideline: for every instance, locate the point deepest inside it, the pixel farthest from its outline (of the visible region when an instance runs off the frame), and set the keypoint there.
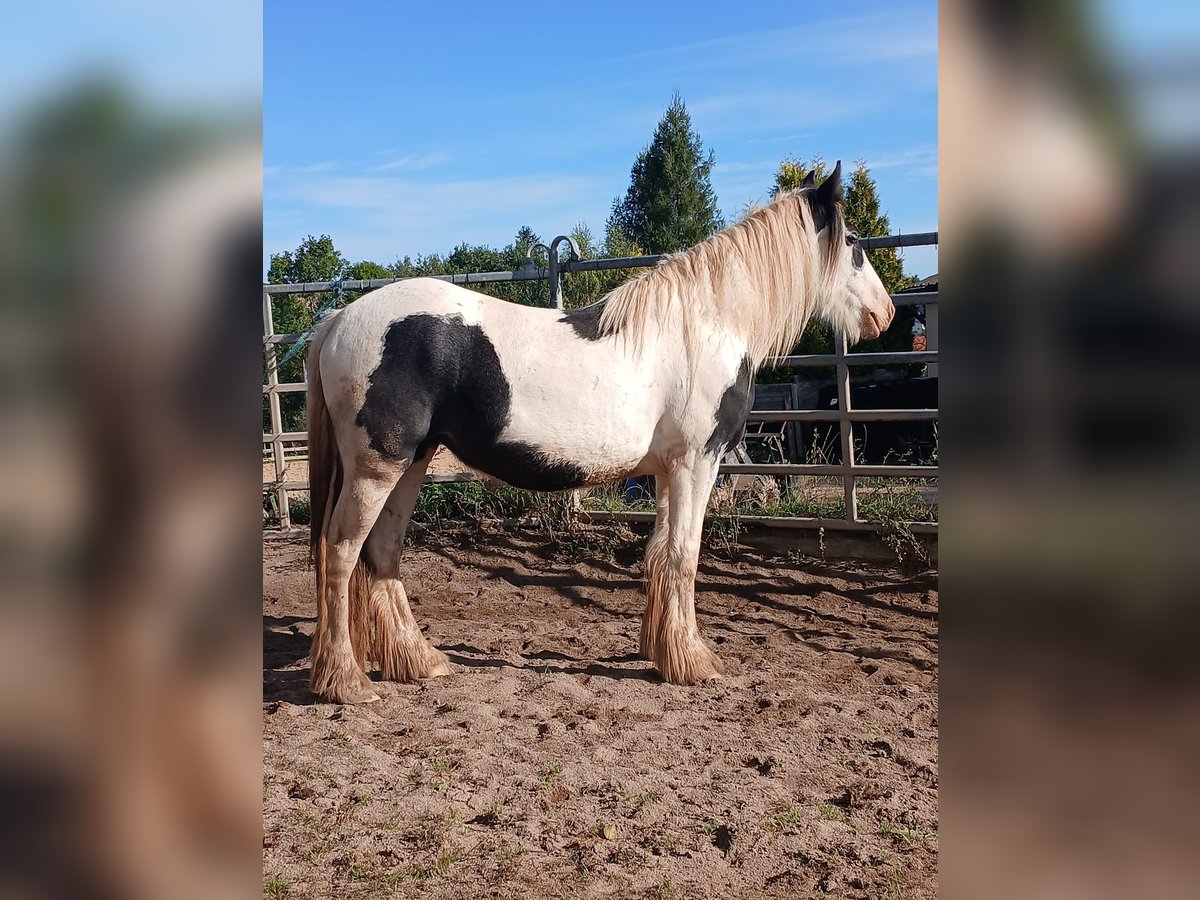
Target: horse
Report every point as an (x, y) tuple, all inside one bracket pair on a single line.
[(656, 378)]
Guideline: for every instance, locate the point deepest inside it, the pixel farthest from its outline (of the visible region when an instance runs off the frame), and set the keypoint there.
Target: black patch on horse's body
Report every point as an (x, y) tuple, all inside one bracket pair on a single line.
[(439, 381), (585, 320), (732, 411)]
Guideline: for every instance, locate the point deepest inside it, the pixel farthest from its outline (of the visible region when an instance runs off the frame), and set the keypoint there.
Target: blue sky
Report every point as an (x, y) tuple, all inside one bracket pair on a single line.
[(409, 128)]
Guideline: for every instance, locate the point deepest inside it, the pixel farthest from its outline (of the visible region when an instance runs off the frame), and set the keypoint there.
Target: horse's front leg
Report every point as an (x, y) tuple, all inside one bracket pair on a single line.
[(656, 555), (670, 637)]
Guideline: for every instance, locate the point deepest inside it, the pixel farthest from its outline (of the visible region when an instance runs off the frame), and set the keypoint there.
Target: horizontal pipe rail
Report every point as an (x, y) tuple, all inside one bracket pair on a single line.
[(817, 360), (917, 239), (270, 438), (292, 387), (607, 515), (836, 415), (732, 469), (824, 469), (318, 287), (613, 262)]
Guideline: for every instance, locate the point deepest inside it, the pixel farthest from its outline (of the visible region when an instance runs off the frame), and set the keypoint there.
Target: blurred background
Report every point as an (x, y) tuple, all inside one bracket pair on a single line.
[(1070, 227), (130, 248)]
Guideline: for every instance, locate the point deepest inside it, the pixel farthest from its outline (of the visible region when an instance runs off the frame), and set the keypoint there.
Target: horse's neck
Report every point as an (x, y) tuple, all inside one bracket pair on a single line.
[(691, 345), (731, 312)]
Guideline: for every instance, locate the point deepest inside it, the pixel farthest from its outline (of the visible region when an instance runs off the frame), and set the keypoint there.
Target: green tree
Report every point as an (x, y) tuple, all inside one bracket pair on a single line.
[(670, 204), (367, 270), (792, 172), (316, 259)]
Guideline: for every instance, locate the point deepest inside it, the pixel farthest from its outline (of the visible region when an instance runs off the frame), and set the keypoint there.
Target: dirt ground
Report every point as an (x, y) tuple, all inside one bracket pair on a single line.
[(556, 764)]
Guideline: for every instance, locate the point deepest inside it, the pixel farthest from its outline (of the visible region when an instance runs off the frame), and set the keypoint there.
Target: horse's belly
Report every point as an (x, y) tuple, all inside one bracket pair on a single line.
[(603, 426)]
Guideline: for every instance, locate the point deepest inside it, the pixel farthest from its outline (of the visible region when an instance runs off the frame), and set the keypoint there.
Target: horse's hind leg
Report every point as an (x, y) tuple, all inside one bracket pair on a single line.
[(336, 672), (395, 640)]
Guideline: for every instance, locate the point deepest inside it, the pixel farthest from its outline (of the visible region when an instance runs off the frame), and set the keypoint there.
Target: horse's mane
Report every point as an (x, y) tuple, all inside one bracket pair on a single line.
[(761, 279)]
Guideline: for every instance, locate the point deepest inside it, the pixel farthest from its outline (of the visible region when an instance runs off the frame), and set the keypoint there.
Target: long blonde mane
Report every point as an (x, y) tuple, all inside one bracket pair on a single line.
[(761, 279)]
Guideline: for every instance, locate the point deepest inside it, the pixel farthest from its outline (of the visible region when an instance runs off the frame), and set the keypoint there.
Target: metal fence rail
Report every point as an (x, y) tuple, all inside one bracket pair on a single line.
[(841, 360)]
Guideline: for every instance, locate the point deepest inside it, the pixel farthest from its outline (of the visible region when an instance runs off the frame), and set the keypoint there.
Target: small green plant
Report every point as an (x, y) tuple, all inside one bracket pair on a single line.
[(641, 798), (548, 774), (582, 869), (831, 813), (664, 890), (909, 836), (275, 888), (782, 817), (299, 508), (507, 856), (439, 867)]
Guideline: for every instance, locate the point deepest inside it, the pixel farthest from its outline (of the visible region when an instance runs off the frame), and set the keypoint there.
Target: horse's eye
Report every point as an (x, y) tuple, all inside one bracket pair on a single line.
[(851, 239)]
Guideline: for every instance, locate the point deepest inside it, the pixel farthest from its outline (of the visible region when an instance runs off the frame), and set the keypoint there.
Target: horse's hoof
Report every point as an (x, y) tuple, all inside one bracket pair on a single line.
[(343, 683), (355, 696), (439, 669)]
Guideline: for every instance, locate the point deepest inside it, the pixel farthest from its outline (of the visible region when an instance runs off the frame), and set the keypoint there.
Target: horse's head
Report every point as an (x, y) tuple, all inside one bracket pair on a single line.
[(854, 299)]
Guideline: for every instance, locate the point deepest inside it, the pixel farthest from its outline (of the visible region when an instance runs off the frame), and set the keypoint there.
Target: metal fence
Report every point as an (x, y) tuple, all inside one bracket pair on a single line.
[(841, 360)]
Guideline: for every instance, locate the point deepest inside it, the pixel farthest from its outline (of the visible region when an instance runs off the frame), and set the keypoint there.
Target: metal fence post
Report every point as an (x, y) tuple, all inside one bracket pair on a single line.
[(556, 269), (281, 494), (843, 387), (555, 281)]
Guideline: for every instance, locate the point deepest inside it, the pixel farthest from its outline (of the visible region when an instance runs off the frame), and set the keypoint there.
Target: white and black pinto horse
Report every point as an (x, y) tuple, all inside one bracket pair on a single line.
[(656, 378)]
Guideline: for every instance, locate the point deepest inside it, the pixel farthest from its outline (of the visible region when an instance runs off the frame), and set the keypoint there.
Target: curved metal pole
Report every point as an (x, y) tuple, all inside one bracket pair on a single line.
[(555, 277)]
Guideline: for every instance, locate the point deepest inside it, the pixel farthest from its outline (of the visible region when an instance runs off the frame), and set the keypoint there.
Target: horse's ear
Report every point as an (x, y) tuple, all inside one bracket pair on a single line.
[(830, 190), (810, 180), (822, 200)]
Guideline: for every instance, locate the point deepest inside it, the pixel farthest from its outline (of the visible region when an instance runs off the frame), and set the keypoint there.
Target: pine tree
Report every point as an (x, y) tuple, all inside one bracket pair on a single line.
[(670, 204)]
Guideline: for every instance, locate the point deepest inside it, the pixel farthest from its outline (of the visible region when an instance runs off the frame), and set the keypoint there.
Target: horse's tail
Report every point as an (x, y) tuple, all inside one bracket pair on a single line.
[(325, 480)]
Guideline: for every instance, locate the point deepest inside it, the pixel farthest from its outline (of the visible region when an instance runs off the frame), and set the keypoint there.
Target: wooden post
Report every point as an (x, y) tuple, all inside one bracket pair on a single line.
[(281, 494), (843, 385)]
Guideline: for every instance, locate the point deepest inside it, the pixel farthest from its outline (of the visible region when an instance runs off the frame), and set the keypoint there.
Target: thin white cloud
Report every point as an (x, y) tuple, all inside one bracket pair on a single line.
[(919, 157), (804, 135), (733, 167), (436, 197), (878, 37), (326, 166), (752, 110), (413, 162)]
